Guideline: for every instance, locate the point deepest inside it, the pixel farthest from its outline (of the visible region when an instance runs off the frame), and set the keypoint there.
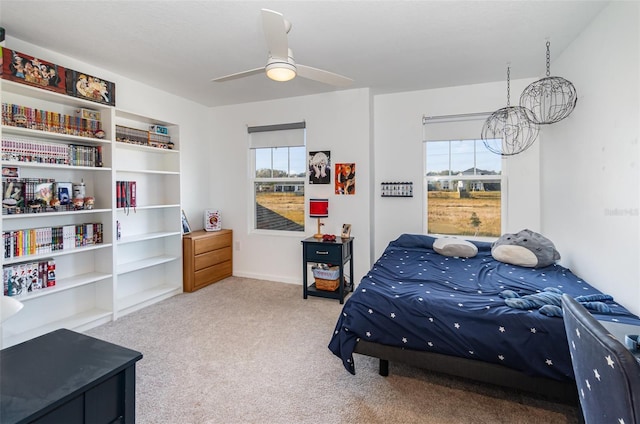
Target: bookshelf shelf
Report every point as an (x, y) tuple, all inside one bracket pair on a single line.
[(148, 236), (98, 283), (141, 299), (65, 284), (57, 253), (144, 263), (43, 215), (80, 321), (52, 136)]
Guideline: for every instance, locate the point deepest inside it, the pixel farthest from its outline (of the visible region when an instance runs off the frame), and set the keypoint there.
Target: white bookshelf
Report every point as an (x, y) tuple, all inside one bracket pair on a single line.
[(99, 283)]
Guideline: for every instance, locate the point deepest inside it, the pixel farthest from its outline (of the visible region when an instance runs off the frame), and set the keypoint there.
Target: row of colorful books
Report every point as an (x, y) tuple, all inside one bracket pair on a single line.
[(126, 194), (36, 241), (43, 120), (22, 149), (28, 277)]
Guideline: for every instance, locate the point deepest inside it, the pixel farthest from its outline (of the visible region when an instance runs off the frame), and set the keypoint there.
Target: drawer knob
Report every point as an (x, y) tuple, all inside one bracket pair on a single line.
[(318, 252)]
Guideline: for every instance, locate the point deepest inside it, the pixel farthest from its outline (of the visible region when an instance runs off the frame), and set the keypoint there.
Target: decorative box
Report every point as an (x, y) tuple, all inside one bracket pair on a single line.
[(29, 70), (159, 129), (92, 88), (212, 221), (89, 114)]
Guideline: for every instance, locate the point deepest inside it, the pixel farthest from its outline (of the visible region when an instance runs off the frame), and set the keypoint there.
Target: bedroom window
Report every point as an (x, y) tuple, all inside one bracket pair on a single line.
[(463, 183), (278, 156)]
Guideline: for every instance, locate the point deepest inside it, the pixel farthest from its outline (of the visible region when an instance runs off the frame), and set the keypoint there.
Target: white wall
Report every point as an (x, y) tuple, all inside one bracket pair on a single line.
[(336, 121), (399, 155), (590, 165), (136, 97)]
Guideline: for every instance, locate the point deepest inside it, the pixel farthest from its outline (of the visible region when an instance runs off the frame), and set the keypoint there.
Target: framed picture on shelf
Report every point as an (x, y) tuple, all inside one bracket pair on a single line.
[(30, 70), (85, 86), (346, 231), (186, 228)]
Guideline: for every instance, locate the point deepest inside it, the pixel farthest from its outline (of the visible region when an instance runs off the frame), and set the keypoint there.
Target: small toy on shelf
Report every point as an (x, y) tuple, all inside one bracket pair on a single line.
[(88, 202)]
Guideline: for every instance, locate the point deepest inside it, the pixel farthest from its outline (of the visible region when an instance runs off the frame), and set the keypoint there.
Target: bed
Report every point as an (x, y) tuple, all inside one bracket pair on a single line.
[(449, 314)]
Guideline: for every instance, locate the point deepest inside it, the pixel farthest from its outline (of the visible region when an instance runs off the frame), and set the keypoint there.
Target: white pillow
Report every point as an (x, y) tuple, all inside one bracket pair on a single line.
[(515, 255), (449, 246)]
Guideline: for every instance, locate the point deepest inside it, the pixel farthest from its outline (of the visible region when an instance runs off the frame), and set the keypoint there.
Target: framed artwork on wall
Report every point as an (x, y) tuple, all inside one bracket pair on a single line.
[(345, 179), (320, 167)]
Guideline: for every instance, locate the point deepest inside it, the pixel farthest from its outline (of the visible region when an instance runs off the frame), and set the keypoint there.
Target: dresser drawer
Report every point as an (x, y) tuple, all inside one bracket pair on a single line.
[(206, 244), (213, 257), (212, 274), (324, 253)]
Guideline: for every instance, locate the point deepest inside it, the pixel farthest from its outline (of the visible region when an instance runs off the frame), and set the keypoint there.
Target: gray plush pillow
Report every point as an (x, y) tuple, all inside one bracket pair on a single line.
[(449, 246), (525, 248)]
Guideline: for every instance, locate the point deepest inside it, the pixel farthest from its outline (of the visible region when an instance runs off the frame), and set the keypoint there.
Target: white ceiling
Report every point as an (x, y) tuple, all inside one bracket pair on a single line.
[(388, 46)]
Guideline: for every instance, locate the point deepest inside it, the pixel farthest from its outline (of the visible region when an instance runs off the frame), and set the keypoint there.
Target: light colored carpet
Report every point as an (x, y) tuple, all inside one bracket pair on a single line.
[(252, 351)]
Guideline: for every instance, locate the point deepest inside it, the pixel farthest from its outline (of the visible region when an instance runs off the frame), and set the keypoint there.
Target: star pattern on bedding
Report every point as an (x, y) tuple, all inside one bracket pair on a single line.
[(417, 299)]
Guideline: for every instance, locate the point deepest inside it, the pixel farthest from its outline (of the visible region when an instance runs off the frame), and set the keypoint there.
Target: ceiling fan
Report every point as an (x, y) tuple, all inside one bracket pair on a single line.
[(280, 65)]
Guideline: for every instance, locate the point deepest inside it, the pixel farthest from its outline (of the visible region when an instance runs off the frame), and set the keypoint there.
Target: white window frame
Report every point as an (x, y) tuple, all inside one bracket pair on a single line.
[(460, 128), (276, 136)]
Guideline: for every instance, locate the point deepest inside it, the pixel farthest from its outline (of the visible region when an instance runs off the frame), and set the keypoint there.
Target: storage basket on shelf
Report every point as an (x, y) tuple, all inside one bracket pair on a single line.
[(327, 279)]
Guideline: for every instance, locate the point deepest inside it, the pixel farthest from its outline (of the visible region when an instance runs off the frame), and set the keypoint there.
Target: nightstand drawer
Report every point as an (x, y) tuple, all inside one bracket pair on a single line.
[(324, 253), (206, 244), (211, 258)]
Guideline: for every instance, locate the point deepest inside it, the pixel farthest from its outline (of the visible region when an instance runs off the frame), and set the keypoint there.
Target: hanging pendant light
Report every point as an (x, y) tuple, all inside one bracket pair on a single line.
[(551, 99), (510, 130)]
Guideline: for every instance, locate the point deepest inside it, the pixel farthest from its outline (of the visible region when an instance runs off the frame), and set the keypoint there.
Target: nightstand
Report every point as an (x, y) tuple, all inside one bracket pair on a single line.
[(336, 253)]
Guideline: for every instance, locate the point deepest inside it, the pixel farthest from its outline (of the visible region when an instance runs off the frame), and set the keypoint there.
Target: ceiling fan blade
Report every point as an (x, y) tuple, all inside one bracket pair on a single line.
[(275, 31), (239, 75), (323, 76)]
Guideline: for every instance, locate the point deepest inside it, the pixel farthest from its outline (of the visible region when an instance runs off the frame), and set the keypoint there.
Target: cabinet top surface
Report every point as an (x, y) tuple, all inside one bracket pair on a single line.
[(203, 233), (328, 243), (58, 365)]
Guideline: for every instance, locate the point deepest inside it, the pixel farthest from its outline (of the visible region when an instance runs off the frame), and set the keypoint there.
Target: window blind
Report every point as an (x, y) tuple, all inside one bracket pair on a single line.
[(453, 127), (279, 135)]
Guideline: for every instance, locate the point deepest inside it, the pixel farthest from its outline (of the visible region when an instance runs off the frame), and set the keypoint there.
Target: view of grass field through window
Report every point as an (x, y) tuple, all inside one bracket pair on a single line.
[(463, 189), (279, 188)]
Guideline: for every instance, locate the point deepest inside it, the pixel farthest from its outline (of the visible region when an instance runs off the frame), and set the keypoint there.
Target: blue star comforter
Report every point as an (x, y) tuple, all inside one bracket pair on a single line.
[(417, 299)]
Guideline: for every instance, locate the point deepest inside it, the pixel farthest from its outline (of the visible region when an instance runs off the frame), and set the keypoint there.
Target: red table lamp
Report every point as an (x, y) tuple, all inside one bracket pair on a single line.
[(319, 208)]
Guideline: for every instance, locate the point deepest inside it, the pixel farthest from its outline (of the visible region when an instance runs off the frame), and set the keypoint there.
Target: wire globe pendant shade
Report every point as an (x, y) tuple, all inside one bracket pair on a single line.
[(510, 130), (550, 99)]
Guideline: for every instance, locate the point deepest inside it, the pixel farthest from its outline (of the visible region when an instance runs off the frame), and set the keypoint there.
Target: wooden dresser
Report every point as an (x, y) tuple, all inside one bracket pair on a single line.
[(208, 257)]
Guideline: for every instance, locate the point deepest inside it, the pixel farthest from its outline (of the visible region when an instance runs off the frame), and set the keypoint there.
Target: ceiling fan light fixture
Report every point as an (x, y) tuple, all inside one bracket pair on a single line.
[(281, 71)]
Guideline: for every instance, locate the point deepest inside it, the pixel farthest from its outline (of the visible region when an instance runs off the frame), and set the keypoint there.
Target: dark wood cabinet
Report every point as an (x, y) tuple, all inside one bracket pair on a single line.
[(67, 377)]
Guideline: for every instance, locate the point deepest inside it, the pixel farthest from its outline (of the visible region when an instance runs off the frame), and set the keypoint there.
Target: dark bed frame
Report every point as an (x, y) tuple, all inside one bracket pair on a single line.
[(565, 392)]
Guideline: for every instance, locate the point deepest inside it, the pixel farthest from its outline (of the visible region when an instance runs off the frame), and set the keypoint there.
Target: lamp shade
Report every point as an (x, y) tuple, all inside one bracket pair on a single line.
[(8, 307), (318, 208)]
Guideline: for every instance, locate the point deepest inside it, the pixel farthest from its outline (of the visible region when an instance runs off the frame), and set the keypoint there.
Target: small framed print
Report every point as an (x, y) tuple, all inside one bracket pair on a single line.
[(186, 228), (346, 231)]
